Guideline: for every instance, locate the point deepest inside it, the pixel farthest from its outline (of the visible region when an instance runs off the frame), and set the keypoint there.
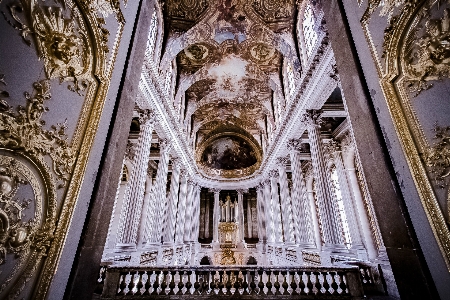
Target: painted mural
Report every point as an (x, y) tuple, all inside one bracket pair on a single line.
[(229, 153)]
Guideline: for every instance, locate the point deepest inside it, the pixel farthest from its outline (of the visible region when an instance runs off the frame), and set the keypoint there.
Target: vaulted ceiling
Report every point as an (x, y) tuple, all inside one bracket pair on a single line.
[(229, 56)]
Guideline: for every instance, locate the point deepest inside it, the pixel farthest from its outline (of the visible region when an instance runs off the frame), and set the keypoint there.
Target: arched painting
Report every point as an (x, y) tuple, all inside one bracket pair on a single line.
[(229, 153)]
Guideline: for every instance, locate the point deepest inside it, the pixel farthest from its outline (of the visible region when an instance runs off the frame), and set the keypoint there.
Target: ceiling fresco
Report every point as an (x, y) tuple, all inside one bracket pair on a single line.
[(229, 56), (229, 153)]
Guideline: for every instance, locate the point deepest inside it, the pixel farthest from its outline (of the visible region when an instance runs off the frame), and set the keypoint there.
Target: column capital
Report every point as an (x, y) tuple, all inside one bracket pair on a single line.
[(176, 162), (331, 148), (347, 142), (164, 145), (190, 181), (198, 187), (312, 118), (282, 161), (273, 174), (215, 190), (146, 116), (183, 173), (130, 150), (241, 191), (295, 145)]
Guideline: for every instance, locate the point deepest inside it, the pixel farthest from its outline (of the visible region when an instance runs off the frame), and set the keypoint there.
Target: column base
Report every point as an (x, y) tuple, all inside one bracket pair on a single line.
[(147, 246), (335, 248)]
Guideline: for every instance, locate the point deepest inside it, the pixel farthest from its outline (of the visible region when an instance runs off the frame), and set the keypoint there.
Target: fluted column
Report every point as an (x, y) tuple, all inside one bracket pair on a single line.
[(240, 214), (275, 204), (314, 216), (331, 235), (160, 193), (300, 202), (181, 211), (260, 214), (286, 212), (196, 213), (134, 193), (147, 207), (206, 217), (270, 228), (348, 152), (356, 239), (249, 218), (189, 209), (169, 228), (216, 216)]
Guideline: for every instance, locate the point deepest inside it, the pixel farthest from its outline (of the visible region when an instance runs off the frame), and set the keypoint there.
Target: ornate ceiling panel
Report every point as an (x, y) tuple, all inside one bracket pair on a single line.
[(226, 75)]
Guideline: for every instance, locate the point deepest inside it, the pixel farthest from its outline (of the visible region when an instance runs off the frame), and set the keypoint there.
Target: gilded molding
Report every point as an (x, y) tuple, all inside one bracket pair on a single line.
[(416, 72)]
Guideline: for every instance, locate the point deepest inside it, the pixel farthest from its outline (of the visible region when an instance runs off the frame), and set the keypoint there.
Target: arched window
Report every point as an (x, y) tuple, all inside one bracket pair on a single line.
[(309, 34), (340, 203)]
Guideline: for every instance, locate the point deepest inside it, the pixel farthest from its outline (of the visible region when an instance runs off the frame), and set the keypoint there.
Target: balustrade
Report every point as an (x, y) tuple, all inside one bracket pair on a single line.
[(244, 282)]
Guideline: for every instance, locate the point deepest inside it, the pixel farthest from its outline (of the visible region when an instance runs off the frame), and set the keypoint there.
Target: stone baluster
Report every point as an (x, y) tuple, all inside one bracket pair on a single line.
[(170, 219), (285, 198), (159, 192), (240, 214), (314, 216), (261, 213), (134, 193), (275, 204), (301, 204), (348, 153), (181, 211), (270, 229), (333, 148), (196, 213), (189, 209), (216, 216), (331, 235)]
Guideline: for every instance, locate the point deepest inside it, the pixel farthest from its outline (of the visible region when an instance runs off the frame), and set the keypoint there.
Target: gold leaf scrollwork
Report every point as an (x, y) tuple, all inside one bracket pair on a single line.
[(24, 131), (427, 54), (61, 40), (437, 157)]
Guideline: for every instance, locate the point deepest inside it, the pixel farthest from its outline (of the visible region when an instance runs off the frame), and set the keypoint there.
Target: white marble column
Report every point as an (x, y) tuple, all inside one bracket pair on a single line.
[(159, 192), (270, 228), (355, 235), (189, 211), (275, 204), (260, 214), (130, 215), (249, 218), (285, 199), (216, 216), (240, 214), (195, 213), (170, 219), (314, 216), (181, 210), (300, 201), (206, 217), (147, 207), (348, 153), (330, 225)]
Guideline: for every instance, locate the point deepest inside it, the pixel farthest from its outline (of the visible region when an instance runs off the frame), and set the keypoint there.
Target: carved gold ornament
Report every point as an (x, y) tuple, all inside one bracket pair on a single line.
[(24, 131), (437, 157), (413, 54), (427, 55), (60, 38)]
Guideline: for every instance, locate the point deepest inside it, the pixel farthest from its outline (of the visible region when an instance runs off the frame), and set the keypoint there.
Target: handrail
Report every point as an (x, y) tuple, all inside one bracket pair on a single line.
[(244, 282)]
